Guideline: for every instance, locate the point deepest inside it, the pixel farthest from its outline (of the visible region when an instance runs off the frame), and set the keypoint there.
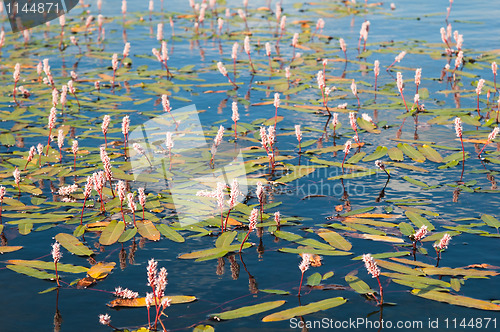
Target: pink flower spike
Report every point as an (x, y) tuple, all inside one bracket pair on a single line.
[(305, 263), (105, 319), (371, 266), (493, 134), (347, 147), (298, 133), (421, 233), (56, 252), (443, 243), (458, 127), (479, 87), (277, 218)]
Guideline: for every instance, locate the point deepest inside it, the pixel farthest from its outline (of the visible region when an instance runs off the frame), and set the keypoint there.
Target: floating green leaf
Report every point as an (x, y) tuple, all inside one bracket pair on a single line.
[(456, 300), (248, 311), (71, 243), (169, 233), (305, 310), (112, 232)]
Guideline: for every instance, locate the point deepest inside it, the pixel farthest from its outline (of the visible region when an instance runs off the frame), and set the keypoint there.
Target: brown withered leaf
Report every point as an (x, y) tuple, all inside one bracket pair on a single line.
[(85, 282), (314, 259)]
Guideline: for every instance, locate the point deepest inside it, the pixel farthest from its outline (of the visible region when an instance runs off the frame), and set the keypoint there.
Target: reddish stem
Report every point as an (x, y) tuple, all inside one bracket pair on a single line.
[(83, 208), (463, 162), (381, 291), (246, 237), (57, 275), (48, 142), (301, 279)]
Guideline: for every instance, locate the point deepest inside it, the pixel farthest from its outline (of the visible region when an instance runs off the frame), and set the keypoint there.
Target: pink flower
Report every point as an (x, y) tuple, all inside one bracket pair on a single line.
[(400, 56), (159, 31), (268, 49), (31, 154), (246, 45), (74, 147), (443, 243), (263, 137), (39, 147), (218, 137), (458, 127), (298, 133), (371, 266), (17, 72), (320, 78), (276, 100), (126, 50), (105, 124), (149, 299), (64, 94), (416, 99), (138, 148), (376, 68), (295, 39), (354, 89), (52, 117), (62, 20), (459, 59), (352, 120), (125, 125), (335, 120), (287, 73), (418, 75), (236, 116), (479, 87), (421, 233), (71, 88), (120, 188), (277, 218), (221, 68), (169, 142), (235, 192), (55, 97), (56, 252), (320, 24), (114, 61), (131, 203), (399, 80), (161, 282), (347, 147), (306, 262), (124, 7), (253, 220), (494, 68), (2, 193), (220, 23), (17, 176), (234, 51), (242, 15), (88, 187), (493, 134), (283, 23), (106, 163), (260, 192), (125, 293), (152, 271), (60, 139), (142, 197), (105, 319), (67, 190), (343, 45)]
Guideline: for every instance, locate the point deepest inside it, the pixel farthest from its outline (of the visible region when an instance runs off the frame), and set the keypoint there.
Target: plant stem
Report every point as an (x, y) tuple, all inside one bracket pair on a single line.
[(246, 237), (463, 161), (300, 285), (381, 292)]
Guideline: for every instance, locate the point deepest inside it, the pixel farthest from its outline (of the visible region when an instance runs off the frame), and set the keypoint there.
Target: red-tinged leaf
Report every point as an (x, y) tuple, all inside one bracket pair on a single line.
[(101, 270)]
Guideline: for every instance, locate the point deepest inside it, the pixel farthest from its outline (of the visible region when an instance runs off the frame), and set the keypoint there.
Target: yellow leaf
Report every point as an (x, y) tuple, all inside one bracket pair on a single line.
[(100, 270), (382, 238), (375, 215), (141, 301)]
